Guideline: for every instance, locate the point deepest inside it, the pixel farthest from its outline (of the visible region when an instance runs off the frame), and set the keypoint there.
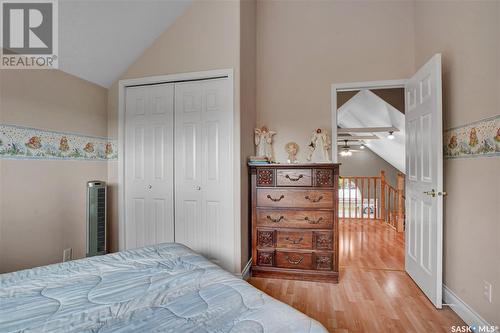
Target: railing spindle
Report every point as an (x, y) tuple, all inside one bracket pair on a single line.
[(343, 198)]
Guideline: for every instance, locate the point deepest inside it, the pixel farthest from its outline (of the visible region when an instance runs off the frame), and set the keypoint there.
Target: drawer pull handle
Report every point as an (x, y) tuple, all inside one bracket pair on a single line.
[(294, 261), (318, 199), (312, 221), (274, 199), (275, 220), (294, 241), (294, 179)]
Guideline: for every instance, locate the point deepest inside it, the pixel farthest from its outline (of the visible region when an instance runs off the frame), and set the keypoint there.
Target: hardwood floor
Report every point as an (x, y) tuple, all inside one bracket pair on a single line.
[(374, 293)]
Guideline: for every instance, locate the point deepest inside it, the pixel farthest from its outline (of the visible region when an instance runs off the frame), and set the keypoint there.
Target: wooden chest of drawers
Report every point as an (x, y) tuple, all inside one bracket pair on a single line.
[(295, 221)]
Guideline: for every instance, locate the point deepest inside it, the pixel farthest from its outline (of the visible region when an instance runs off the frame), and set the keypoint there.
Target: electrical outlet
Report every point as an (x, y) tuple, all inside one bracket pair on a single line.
[(487, 290), (67, 254)]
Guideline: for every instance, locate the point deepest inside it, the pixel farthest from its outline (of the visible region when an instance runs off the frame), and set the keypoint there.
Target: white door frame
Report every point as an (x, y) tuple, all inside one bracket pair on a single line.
[(352, 86), (171, 78)]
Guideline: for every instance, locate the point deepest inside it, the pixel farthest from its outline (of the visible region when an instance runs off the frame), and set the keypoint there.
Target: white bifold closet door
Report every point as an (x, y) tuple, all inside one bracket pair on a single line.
[(149, 181), (204, 218)]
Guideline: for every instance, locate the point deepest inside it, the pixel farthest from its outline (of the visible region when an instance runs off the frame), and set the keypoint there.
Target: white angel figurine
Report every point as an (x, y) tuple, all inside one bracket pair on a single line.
[(319, 147), (264, 142)]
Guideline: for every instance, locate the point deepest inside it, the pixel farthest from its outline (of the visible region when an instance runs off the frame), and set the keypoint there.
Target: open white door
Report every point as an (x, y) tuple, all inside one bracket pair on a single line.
[(424, 180)]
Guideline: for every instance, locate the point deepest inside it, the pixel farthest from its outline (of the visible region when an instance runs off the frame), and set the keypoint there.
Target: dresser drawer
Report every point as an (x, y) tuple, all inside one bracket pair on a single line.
[(290, 259), (267, 197), (294, 177), (294, 239), (304, 219)]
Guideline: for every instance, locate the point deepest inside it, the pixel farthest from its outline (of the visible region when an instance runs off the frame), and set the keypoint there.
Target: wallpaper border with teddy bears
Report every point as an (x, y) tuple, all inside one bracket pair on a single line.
[(480, 138), (19, 142)]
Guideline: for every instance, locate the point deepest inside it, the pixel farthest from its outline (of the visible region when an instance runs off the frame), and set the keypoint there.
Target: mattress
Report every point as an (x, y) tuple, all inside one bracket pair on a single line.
[(161, 288)]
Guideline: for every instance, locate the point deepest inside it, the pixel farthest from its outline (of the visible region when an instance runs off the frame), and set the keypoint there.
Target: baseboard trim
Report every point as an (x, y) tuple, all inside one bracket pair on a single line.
[(464, 311), (245, 274)]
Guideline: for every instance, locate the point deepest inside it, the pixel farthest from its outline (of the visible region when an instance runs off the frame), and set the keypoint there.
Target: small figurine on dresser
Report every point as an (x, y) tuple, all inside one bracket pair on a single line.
[(264, 143), (319, 147), (292, 148)]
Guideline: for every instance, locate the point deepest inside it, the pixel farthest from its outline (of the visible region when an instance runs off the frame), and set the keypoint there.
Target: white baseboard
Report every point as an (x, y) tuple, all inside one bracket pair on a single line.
[(245, 274), (468, 315)]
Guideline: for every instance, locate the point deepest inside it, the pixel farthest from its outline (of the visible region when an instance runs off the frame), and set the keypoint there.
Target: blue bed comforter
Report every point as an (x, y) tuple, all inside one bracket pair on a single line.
[(163, 288)]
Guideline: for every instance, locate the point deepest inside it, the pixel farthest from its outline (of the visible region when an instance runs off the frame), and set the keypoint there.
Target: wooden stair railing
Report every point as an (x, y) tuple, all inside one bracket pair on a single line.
[(372, 198)]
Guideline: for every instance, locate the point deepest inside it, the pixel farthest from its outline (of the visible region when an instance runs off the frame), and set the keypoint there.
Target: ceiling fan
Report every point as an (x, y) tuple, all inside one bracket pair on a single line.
[(346, 150)]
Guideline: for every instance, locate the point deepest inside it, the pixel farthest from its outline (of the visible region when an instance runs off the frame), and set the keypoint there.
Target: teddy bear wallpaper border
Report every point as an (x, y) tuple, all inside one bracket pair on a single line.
[(18, 142), (480, 138)]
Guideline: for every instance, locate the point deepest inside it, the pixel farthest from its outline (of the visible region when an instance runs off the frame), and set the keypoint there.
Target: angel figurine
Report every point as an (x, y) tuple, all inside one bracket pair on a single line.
[(319, 147), (264, 142)]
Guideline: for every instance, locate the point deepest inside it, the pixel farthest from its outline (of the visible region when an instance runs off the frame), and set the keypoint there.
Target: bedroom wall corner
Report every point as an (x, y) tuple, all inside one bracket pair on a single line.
[(468, 36), (205, 37), (1, 176), (303, 47), (248, 114), (112, 169), (43, 188)]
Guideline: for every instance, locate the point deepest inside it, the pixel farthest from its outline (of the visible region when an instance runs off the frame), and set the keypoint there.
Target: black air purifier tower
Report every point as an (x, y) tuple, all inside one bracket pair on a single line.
[(96, 218)]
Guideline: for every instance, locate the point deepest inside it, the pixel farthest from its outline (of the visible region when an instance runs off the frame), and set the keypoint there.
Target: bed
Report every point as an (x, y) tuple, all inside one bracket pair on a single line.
[(161, 288)]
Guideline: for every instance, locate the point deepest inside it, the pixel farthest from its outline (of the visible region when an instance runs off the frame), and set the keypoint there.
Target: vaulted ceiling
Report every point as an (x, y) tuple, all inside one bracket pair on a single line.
[(99, 40), (366, 109)]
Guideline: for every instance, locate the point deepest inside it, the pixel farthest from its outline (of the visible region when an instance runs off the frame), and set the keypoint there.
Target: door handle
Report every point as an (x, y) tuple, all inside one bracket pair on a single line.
[(197, 188), (432, 193), (150, 186)]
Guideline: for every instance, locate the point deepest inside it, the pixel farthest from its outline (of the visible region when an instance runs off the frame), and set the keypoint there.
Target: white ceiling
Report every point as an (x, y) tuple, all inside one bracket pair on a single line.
[(365, 109), (99, 40)]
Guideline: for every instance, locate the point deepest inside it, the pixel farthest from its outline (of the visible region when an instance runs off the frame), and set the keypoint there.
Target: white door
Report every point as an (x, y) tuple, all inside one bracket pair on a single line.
[(424, 179), (203, 169), (149, 201)]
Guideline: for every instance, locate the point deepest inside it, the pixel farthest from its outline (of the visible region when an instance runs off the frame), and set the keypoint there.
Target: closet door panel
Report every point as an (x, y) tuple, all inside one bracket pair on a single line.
[(217, 171), (148, 165), (188, 190), (137, 103), (161, 166), (204, 169)]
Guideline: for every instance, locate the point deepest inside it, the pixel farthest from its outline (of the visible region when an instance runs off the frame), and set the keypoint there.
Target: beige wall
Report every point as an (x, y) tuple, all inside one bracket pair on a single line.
[(1, 173), (305, 46), (248, 113), (468, 36), (367, 163), (43, 202), (301, 49), (206, 36)]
